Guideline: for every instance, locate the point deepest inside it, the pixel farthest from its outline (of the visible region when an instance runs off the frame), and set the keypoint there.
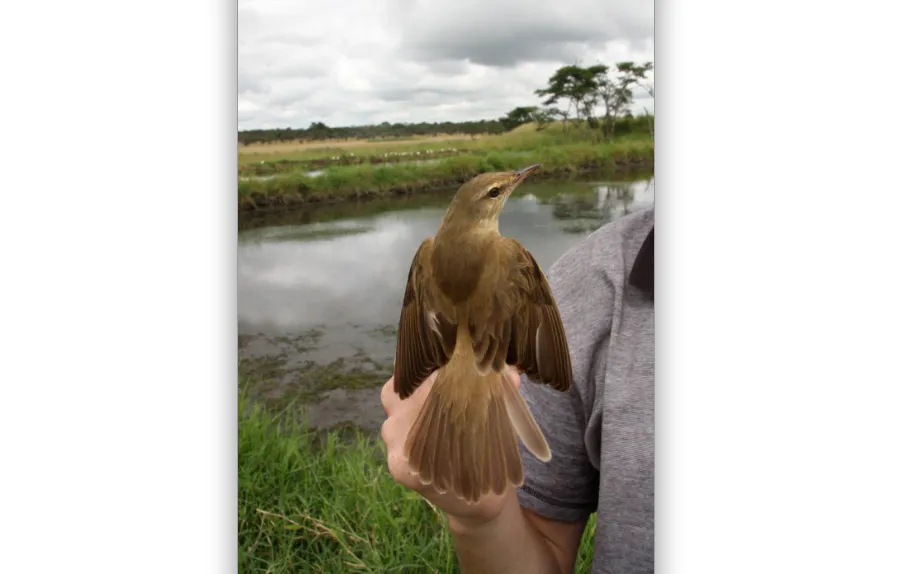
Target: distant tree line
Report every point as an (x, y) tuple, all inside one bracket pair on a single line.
[(598, 96), (386, 130)]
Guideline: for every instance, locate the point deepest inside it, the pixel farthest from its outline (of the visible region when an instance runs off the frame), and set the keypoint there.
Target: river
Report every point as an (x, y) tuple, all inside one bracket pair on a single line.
[(319, 290)]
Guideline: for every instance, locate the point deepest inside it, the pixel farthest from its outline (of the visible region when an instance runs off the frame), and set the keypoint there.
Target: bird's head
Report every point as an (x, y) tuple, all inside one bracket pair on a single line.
[(483, 197)]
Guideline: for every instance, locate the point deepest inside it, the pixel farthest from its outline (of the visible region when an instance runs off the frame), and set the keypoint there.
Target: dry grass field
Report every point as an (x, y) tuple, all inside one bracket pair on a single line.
[(323, 148)]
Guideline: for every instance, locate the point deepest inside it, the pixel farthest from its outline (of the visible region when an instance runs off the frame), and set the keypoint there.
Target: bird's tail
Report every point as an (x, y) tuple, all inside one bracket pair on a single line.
[(463, 441)]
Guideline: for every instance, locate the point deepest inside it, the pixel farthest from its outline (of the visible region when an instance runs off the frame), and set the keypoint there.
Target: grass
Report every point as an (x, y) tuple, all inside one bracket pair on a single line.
[(310, 214), (526, 136), (303, 150), (560, 155), (324, 502)]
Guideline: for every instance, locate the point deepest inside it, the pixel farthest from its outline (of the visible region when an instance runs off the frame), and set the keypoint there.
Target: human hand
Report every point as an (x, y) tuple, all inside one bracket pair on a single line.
[(401, 414)]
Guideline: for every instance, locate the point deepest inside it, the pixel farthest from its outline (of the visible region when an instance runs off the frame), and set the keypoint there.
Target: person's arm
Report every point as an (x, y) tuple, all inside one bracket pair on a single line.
[(517, 541), (497, 535)]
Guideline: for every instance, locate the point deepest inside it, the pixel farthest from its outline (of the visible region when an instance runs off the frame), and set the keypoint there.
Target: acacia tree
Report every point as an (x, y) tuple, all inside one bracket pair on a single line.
[(586, 89), (575, 85), (616, 95), (638, 74), (556, 91), (542, 117), (614, 91), (518, 116)]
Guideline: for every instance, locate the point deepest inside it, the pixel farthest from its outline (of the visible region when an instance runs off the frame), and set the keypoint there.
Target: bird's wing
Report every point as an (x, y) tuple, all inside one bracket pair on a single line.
[(537, 346), (425, 338)]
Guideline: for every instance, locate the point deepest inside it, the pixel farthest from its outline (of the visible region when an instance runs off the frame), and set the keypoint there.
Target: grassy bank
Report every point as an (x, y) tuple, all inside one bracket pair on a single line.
[(361, 181), (307, 214), (322, 503), (398, 168)]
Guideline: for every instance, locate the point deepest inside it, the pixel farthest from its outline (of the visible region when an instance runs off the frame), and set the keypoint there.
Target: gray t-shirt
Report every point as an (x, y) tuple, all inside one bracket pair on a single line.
[(601, 432)]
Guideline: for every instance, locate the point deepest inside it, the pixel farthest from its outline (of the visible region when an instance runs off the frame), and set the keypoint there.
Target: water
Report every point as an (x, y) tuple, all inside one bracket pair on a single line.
[(319, 291)]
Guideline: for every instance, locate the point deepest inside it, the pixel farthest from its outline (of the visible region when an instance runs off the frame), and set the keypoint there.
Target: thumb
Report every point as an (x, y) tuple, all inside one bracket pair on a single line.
[(514, 377)]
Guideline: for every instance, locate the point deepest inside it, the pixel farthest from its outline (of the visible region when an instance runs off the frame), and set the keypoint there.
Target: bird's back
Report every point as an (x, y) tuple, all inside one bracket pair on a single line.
[(458, 263)]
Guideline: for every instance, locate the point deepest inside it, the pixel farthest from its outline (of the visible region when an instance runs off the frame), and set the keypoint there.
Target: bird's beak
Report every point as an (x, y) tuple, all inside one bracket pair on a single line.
[(521, 174)]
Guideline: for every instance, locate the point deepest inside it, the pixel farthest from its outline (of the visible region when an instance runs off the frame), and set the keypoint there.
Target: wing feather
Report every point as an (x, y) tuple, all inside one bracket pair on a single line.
[(537, 342), (425, 338)]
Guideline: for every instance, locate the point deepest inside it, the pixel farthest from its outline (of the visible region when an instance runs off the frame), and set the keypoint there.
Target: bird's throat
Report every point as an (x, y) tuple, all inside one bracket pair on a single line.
[(457, 225)]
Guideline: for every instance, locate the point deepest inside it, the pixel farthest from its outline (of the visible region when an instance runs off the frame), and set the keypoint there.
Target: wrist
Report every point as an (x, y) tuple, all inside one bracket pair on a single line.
[(480, 526), (469, 526)]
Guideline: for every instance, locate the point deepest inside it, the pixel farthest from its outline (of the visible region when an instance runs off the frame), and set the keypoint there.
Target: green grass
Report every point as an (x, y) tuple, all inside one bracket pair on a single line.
[(247, 168), (559, 155), (324, 502), (526, 136)]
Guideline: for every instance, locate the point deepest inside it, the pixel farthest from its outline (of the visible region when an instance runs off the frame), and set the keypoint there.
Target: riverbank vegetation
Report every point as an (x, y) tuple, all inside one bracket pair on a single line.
[(324, 502), (586, 123), (361, 181)]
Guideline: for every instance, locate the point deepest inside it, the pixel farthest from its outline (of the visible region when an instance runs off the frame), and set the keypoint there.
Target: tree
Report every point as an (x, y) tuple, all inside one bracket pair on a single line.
[(575, 85), (616, 97), (612, 87), (542, 117), (637, 74), (518, 116)]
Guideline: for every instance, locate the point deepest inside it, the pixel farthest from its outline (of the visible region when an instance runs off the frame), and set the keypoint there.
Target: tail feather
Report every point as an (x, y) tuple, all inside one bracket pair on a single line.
[(523, 422), (464, 440)]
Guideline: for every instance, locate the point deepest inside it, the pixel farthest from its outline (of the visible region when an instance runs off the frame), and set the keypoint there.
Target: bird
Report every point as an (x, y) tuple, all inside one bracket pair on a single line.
[(475, 304)]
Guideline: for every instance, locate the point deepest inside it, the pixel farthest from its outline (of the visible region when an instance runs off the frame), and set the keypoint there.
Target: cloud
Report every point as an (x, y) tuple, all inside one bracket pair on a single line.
[(369, 61)]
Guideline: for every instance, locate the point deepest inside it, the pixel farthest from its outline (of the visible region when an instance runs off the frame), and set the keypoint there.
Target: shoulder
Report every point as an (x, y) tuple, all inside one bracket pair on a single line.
[(593, 269)]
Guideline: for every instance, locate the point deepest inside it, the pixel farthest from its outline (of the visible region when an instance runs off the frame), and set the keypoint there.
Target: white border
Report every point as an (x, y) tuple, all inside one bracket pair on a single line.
[(784, 257), (784, 307), (118, 311)]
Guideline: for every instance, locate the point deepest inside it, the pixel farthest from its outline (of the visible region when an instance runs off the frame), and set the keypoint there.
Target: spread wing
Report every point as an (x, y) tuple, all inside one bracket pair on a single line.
[(425, 338), (537, 344)]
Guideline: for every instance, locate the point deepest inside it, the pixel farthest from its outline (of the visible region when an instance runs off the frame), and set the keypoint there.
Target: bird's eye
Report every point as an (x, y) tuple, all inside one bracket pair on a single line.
[(494, 192)]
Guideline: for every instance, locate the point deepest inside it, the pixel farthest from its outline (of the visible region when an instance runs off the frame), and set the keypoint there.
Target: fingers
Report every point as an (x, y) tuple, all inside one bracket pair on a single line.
[(401, 414), (393, 436), (388, 396), (387, 435)]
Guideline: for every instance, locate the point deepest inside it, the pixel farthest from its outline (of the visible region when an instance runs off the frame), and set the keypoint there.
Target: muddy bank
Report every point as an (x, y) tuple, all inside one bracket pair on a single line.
[(304, 369)]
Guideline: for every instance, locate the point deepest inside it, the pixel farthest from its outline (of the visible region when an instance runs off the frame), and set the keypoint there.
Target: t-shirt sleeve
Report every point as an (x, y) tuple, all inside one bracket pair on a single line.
[(567, 486)]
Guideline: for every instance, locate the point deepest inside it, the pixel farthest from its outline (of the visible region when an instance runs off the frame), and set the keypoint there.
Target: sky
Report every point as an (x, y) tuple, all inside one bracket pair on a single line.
[(355, 62)]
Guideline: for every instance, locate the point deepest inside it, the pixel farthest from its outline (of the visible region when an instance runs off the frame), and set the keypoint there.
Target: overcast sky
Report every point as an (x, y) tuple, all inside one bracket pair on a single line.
[(350, 62)]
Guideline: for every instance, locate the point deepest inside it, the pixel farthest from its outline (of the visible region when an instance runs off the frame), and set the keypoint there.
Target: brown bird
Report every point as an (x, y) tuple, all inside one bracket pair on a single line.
[(475, 302)]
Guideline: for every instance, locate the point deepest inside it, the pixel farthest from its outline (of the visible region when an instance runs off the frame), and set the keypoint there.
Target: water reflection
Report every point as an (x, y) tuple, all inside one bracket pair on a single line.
[(585, 213), (351, 270)]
